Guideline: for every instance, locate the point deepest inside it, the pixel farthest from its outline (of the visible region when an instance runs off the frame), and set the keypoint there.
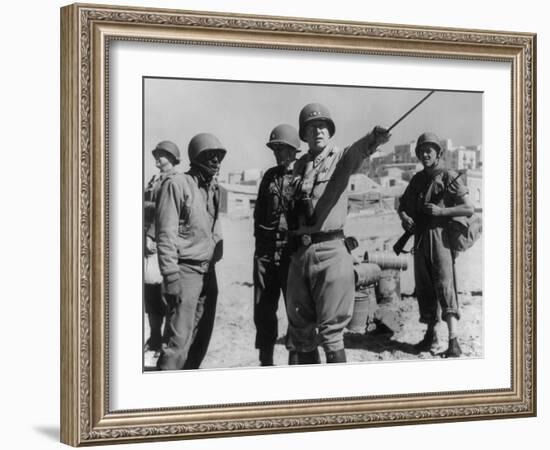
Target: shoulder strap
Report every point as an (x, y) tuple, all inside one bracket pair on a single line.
[(428, 188), (216, 202), (447, 181)]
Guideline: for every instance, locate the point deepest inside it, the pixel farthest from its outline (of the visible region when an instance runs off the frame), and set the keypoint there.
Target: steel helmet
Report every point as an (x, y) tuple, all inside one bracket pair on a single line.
[(428, 138), (168, 147), (203, 142), (315, 111), (284, 134)]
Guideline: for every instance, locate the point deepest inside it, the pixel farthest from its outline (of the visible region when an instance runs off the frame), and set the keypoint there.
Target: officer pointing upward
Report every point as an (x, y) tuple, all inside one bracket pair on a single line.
[(321, 281)]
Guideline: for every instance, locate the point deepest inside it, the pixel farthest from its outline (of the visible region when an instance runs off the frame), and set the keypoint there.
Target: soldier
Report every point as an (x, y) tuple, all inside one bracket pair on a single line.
[(271, 257), (320, 286), (189, 244), (432, 196), (167, 155)]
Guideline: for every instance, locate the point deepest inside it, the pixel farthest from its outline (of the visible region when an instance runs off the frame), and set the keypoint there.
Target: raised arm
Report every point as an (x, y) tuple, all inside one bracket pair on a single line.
[(363, 148)]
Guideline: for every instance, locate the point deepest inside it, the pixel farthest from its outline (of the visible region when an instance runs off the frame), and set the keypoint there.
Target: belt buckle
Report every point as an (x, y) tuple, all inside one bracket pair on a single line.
[(306, 240)]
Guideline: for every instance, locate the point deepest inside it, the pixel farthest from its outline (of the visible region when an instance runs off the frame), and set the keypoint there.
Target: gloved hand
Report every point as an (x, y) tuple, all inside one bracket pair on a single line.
[(377, 137), (172, 285)]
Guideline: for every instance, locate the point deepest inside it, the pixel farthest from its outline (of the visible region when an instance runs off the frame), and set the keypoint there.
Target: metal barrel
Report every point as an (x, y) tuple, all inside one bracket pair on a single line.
[(366, 274), (365, 304), (387, 260)]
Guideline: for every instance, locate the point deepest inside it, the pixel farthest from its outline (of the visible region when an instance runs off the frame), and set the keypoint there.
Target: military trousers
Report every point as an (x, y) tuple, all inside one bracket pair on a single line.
[(320, 295), (434, 276), (205, 314), (155, 308), (189, 319), (152, 296), (270, 280)]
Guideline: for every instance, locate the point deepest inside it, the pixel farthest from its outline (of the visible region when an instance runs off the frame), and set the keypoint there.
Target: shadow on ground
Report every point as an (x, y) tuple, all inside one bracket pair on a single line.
[(377, 343), (50, 432)]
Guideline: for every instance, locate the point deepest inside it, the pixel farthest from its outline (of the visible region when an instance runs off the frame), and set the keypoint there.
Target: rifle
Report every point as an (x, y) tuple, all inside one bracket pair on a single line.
[(402, 241)]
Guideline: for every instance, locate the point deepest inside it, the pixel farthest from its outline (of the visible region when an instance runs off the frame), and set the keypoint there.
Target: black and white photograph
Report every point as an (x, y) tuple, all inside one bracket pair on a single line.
[(284, 222), (295, 224)]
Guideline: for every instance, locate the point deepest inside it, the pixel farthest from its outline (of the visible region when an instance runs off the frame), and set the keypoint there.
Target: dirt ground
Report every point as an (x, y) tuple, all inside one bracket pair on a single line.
[(232, 343)]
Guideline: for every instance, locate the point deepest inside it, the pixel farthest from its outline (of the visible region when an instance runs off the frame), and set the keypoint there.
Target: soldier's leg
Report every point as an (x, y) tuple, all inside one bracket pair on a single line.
[(266, 299), (424, 286), (425, 292), (206, 313), (283, 280), (180, 320), (443, 274), (333, 290), (300, 308), (155, 310)]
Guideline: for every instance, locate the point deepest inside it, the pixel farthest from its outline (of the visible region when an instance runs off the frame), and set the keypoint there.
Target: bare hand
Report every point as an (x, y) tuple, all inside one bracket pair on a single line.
[(150, 246), (408, 224), (433, 210)]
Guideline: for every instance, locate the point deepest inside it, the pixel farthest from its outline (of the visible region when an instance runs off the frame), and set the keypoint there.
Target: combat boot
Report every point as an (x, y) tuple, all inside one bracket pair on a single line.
[(154, 343), (309, 357), (338, 356), (293, 358), (428, 342), (266, 355), (454, 350)]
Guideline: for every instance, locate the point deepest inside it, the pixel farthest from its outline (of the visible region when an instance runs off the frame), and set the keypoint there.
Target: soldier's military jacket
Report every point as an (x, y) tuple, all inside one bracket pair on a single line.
[(152, 191), (442, 187), (270, 227), (187, 225), (328, 174)]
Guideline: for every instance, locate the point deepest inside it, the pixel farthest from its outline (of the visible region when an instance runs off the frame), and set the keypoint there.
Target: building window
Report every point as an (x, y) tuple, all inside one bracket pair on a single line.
[(352, 187)]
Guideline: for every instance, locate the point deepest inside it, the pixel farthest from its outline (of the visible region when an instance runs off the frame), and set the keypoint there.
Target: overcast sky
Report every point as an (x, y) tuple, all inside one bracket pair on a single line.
[(242, 115)]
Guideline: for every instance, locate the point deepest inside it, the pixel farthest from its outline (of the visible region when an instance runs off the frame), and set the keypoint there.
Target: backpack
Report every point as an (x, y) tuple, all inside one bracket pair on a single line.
[(463, 232)]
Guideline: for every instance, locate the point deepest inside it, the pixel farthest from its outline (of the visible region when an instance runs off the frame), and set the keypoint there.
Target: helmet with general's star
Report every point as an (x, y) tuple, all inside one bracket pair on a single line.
[(315, 111)]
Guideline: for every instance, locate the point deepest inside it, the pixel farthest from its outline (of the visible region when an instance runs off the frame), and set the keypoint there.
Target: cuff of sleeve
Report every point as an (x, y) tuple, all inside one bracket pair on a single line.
[(171, 277)]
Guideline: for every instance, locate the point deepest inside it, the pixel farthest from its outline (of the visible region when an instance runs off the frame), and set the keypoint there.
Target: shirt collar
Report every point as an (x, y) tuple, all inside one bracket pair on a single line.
[(327, 152), (433, 172)]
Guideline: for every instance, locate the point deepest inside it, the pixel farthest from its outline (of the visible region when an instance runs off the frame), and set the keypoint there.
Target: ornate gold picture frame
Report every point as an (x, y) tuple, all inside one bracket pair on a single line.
[(87, 35)]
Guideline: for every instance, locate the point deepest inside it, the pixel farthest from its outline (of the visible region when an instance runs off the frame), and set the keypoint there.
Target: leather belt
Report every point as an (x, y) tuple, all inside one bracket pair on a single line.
[(315, 238), (194, 262)]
